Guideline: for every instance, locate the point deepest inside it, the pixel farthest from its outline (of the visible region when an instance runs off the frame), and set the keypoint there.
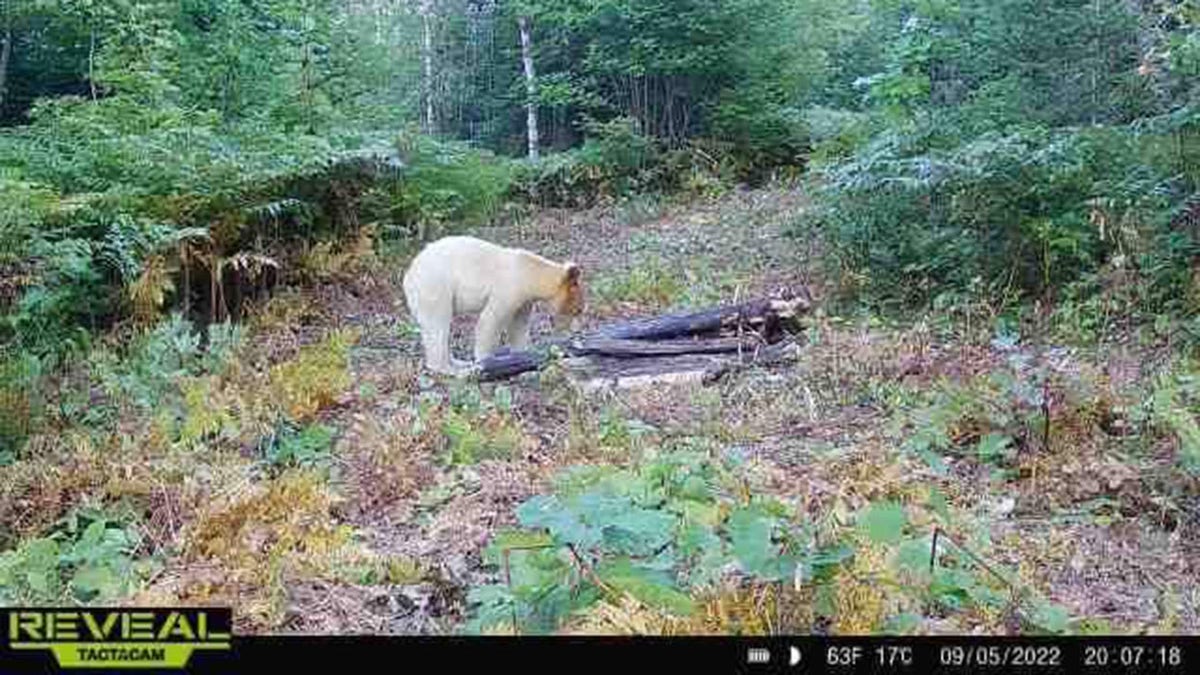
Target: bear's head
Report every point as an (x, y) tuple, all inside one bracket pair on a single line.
[(569, 300)]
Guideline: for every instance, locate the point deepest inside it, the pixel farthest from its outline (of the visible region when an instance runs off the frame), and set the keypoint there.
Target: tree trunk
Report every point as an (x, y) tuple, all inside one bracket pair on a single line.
[(185, 263), (531, 116), (5, 53), (428, 119), (92, 60)]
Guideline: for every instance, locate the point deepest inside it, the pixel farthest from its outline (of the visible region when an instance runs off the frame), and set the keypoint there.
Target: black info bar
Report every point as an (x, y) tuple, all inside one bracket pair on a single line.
[(199, 641), (737, 655)]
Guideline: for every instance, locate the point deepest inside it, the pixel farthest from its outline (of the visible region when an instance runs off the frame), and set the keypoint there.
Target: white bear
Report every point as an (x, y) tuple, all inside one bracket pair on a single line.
[(463, 275)]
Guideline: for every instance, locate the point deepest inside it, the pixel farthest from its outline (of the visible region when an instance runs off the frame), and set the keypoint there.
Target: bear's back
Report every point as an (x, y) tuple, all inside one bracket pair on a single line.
[(465, 267)]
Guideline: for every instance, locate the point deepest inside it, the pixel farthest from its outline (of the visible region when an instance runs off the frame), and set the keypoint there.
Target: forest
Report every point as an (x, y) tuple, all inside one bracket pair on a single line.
[(982, 417)]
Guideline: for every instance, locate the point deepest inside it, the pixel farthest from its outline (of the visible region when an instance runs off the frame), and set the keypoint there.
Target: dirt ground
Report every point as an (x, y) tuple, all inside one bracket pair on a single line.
[(812, 432)]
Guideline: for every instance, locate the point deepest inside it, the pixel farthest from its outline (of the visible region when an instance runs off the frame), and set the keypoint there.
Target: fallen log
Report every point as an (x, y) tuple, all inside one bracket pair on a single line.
[(696, 369), (660, 347), (508, 363), (623, 348), (764, 314)]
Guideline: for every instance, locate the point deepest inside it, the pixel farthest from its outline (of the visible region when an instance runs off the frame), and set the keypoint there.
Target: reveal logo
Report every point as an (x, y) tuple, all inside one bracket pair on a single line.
[(119, 638)]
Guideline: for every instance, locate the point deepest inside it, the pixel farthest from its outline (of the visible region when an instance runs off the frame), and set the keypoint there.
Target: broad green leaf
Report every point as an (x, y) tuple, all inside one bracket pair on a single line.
[(695, 538), (985, 596), (706, 551), (903, 623), (639, 531), (42, 552), (951, 587), (547, 511), (494, 607), (489, 593), (651, 587), (750, 532), (696, 488), (913, 556), (937, 502), (883, 522), (1049, 616), (831, 555), (699, 512), (100, 580), (826, 602), (513, 540), (578, 479), (41, 570), (88, 547), (992, 447)]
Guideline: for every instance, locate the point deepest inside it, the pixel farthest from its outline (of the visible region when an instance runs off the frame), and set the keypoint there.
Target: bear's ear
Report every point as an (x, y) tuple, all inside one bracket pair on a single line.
[(573, 272)]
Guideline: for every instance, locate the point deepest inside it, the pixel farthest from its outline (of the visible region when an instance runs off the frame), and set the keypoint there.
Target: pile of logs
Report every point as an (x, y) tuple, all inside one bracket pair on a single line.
[(697, 346)]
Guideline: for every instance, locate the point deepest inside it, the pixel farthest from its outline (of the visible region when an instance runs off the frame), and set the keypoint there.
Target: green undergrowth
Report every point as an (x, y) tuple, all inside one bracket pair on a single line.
[(678, 525)]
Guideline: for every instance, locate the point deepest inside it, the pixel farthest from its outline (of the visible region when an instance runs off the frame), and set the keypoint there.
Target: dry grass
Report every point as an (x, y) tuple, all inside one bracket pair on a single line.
[(386, 465), (261, 536), (755, 609)]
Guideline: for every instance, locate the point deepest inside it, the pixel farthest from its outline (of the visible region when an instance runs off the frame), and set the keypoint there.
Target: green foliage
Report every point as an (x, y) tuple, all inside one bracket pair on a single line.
[(957, 583), (985, 416), (656, 532), (1003, 155), (722, 69), (616, 430), (1172, 407), (50, 316), (90, 558), (152, 365), (21, 401), (764, 134), (615, 160), (225, 342), (475, 428), (165, 369), (185, 116), (446, 183), (667, 529), (653, 283), (23, 205), (835, 133), (542, 581), (1014, 210), (883, 523), (306, 448), (752, 534)]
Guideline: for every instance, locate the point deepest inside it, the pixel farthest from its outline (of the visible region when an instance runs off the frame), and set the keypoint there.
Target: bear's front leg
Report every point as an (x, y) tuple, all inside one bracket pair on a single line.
[(518, 330), (492, 321)]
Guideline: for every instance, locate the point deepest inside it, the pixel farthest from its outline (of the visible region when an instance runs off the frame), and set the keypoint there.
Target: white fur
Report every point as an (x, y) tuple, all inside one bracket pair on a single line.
[(464, 275)]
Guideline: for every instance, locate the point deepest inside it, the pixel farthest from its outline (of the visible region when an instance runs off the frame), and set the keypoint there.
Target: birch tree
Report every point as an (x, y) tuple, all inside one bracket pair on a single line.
[(428, 120), (531, 117), (6, 40)]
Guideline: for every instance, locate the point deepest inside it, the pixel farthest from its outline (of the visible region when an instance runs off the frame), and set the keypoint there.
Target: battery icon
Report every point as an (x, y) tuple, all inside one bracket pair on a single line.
[(758, 655)]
